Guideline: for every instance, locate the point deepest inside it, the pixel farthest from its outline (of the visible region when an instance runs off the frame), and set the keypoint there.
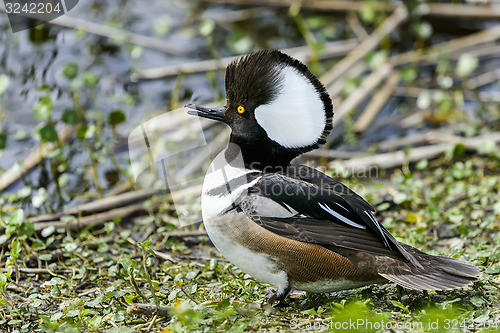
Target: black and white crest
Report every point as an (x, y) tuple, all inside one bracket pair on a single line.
[(284, 97)]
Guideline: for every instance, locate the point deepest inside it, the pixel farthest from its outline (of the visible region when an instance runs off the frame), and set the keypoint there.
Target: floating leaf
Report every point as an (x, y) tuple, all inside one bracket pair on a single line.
[(70, 71), (3, 141), (43, 108), (4, 83), (90, 79), (116, 117), (467, 63), (71, 117), (162, 26), (48, 133)]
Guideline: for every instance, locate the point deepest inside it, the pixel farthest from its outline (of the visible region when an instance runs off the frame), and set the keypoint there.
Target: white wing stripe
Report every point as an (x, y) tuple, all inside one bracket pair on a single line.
[(342, 206), (340, 217), (372, 217)]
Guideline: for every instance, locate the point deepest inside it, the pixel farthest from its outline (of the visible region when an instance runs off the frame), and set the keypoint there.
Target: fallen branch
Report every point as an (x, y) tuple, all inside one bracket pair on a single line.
[(187, 233), (148, 310), (101, 204), (332, 49), (455, 11), (39, 271), (94, 220), (483, 96), (395, 159), (377, 102), (454, 45)]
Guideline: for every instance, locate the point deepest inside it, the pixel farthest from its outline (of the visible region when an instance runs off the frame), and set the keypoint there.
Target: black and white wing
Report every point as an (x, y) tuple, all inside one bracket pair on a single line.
[(307, 205)]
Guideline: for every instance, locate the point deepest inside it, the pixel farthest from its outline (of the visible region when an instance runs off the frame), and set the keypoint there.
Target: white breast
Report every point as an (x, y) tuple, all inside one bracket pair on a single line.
[(224, 230)]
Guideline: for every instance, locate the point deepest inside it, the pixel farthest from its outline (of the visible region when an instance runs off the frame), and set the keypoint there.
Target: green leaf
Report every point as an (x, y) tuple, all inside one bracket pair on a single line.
[(17, 217), (40, 196), (240, 42), (72, 313), (48, 133), (45, 256), (71, 117), (4, 83), (207, 27), (70, 71), (90, 79), (80, 133), (467, 63), (116, 117), (43, 108), (3, 141), (162, 26)]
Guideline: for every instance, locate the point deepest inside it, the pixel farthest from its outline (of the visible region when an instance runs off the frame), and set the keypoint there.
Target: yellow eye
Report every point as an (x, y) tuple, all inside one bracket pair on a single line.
[(241, 109)]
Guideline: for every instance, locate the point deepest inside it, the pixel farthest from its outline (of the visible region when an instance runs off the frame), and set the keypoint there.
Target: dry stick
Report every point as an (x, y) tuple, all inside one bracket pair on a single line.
[(148, 310), (356, 26), (188, 233), (109, 32), (101, 204), (11, 175), (357, 54), (369, 83), (398, 158), (94, 220), (453, 45), (459, 11), (377, 102), (483, 79), (486, 11), (483, 96), (39, 271), (332, 49)]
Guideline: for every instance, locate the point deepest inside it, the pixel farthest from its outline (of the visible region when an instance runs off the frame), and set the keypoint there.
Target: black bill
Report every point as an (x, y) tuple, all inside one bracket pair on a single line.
[(210, 113)]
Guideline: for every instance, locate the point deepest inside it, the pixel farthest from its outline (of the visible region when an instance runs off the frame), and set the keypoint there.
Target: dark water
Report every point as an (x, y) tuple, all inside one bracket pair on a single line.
[(34, 61)]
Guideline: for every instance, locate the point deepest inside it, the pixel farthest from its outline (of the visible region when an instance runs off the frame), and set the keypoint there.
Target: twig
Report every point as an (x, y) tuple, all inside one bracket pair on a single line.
[(40, 271), (483, 11), (166, 257), (101, 204), (395, 159), (483, 79), (148, 310), (483, 96), (332, 49), (188, 233), (10, 176), (454, 45), (458, 11), (356, 26), (369, 83), (368, 44), (94, 220), (377, 102), (110, 32)]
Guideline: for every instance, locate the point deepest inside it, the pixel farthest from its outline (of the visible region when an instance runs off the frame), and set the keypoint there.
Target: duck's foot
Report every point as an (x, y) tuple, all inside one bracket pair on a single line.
[(273, 295)]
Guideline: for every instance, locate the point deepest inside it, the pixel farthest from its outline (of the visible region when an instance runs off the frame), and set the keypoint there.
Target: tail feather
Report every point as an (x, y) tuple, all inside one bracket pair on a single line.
[(435, 273)]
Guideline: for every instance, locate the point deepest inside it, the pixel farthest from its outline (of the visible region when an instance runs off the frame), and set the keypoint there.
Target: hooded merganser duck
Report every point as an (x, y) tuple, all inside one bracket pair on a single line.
[(290, 225)]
